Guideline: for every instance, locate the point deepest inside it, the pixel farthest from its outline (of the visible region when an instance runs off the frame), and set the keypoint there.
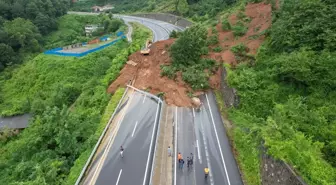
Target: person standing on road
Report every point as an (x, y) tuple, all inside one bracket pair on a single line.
[(179, 156), (121, 151), (169, 151), (191, 159), (181, 162)]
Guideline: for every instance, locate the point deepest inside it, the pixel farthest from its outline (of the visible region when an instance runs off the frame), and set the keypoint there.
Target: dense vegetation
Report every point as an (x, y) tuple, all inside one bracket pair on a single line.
[(186, 55), (67, 97), (71, 29), (190, 8), (22, 25), (288, 97)]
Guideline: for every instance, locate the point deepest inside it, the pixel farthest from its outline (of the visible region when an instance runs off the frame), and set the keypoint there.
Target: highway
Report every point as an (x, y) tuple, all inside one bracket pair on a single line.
[(135, 130), (160, 29), (203, 134)]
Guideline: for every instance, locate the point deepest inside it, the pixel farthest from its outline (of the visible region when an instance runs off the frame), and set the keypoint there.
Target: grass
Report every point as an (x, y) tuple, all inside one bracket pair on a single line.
[(245, 145)]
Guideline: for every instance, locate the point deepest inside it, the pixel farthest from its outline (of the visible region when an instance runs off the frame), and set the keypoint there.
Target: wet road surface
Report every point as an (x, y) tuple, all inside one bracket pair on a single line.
[(203, 134), (135, 133)]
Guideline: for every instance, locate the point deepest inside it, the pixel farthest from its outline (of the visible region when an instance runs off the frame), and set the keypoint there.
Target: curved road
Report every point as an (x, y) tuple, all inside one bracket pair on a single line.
[(160, 29)]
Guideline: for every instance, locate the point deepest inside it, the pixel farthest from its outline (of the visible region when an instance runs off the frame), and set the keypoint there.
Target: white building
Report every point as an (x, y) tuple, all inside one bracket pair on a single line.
[(90, 28)]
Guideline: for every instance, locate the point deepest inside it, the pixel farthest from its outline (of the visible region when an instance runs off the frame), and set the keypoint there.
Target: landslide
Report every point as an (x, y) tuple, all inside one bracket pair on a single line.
[(145, 70)]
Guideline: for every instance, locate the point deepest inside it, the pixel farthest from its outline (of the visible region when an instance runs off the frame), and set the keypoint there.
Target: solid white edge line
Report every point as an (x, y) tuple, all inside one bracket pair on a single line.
[(119, 177), (220, 148), (198, 151), (109, 144), (175, 145), (151, 145), (136, 123)]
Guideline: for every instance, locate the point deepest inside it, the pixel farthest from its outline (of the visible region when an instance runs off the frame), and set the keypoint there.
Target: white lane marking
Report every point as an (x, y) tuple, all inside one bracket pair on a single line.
[(193, 112), (151, 145), (144, 99), (175, 145), (198, 151), (134, 128), (207, 153), (119, 177), (220, 148), (109, 144)]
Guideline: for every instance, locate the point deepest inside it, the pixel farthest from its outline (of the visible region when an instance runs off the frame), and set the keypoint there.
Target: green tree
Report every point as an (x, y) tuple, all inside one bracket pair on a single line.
[(182, 6), (17, 10), (44, 23), (188, 47), (22, 34), (7, 56)]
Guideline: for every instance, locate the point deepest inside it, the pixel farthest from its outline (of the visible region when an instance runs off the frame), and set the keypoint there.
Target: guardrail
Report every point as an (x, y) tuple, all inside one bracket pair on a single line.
[(99, 141)]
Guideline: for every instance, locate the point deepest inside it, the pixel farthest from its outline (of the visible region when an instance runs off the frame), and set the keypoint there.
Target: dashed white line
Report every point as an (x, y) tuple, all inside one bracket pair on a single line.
[(143, 101), (109, 144), (193, 112), (136, 123), (119, 177), (220, 148), (198, 151), (207, 154)]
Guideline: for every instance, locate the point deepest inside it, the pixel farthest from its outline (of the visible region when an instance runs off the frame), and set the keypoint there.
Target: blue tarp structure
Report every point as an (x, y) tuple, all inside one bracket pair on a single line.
[(57, 51)]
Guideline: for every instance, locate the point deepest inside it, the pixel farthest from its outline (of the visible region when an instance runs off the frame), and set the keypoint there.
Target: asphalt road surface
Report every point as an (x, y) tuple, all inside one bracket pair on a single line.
[(203, 134), (160, 29), (135, 134)]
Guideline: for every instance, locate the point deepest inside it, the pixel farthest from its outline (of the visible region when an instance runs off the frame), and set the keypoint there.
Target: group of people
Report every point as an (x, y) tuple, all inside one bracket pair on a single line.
[(190, 160)]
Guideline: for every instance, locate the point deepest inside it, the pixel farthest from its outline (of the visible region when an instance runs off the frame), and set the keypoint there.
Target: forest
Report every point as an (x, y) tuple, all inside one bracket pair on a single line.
[(288, 95), (60, 93), (23, 25)]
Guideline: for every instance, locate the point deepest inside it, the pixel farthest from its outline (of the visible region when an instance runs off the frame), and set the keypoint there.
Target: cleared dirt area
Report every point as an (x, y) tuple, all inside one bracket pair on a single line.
[(146, 69)]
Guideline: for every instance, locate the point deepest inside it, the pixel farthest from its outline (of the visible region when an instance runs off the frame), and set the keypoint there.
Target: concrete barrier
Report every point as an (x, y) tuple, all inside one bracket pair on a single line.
[(170, 18)]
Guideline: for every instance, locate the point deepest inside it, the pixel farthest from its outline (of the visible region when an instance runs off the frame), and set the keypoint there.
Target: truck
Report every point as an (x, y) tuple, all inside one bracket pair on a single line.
[(196, 103), (146, 50)]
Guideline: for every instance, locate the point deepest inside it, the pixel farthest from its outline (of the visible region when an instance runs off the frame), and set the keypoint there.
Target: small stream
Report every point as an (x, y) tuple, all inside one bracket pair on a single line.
[(20, 121)]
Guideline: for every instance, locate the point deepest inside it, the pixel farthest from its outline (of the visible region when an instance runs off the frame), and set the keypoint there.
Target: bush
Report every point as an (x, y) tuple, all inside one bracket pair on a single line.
[(239, 29), (204, 50), (226, 26), (241, 15), (240, 49), (196, 78), (174, 34), (213, 40), (214, 30), (168, 71), (217, 49)]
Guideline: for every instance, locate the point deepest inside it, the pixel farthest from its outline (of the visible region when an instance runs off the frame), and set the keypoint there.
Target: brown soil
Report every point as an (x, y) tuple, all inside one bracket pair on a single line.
[(147, 71), (261, 18), (147, 75)]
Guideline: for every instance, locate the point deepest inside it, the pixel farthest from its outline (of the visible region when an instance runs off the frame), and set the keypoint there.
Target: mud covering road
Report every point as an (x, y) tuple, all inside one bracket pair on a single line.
[(137, 119), (202, 133)]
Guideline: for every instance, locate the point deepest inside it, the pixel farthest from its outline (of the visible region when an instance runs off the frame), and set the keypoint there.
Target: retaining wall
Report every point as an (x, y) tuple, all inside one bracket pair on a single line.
[(57, 51), (173, 19), (275, 172), (229, 94)]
